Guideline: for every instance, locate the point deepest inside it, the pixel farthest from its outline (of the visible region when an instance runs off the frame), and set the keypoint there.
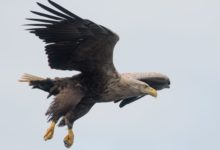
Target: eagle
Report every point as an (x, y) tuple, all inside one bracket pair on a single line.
[(74, 43)]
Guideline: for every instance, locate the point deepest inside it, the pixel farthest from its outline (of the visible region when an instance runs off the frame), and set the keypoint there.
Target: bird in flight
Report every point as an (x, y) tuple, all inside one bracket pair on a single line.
[(74, 43)]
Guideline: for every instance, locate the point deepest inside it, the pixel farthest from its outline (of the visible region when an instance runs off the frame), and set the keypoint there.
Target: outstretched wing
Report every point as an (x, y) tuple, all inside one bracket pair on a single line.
[(129, 100), (74, 43), (155, 80)]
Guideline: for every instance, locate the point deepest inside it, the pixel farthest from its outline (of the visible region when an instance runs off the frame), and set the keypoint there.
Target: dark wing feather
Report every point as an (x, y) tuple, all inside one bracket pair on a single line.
[(54, 12), (42, 20), (74, 43), (46, 15), (64, 10), (129, 100)]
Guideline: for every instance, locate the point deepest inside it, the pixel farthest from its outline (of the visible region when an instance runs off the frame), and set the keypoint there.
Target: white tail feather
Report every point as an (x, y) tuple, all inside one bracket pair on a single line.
[(28, 78)]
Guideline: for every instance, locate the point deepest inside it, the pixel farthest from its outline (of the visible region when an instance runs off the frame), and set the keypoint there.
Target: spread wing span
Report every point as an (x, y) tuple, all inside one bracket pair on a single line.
[(74, 43)]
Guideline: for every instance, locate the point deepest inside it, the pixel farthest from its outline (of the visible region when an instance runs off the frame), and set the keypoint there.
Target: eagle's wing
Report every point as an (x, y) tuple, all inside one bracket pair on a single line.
[(129, 100), (74, 43), (157, 81)]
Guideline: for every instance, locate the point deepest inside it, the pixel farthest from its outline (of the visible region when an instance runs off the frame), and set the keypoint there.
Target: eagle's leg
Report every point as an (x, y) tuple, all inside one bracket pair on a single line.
[(50, 131), (80, 110), (69, 138)]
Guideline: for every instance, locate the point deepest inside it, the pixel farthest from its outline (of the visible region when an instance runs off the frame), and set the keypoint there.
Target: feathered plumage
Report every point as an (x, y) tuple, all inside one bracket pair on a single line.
[(74, 43)]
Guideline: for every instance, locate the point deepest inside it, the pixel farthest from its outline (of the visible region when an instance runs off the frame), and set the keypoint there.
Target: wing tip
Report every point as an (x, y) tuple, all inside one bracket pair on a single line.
[(39, 4), (50, 1)]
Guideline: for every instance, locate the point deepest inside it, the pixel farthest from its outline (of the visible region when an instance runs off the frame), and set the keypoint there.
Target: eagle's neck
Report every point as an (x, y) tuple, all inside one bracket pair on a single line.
[(120, 89)]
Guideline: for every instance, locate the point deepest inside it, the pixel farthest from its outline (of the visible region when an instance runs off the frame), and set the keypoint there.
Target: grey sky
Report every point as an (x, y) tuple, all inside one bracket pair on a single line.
[(177, 38)]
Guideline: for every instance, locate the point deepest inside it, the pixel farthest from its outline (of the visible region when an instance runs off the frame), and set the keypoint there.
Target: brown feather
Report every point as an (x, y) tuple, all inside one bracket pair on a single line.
[(74, 43), (66, 100)]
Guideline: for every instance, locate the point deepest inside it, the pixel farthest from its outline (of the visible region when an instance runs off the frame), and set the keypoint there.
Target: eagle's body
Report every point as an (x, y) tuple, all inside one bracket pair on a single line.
[(78, 44)]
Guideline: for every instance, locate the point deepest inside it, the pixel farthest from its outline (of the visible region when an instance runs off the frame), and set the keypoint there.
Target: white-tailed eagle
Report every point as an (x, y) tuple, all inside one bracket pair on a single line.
[(74, 43)]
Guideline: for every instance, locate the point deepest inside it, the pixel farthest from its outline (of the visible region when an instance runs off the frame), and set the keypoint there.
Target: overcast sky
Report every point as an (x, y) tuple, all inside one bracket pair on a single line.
[(178, 38)]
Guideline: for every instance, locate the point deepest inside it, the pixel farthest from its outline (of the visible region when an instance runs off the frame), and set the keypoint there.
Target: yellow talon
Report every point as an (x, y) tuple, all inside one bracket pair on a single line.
[(68, 140), (50, 131)]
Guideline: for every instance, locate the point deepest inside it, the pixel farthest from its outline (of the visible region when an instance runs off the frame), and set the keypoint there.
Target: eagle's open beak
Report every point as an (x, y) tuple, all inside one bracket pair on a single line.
[(151, 91)]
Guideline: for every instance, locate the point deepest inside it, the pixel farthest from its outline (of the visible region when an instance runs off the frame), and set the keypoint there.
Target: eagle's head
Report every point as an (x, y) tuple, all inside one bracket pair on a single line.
[(137, 88), (144, 88)]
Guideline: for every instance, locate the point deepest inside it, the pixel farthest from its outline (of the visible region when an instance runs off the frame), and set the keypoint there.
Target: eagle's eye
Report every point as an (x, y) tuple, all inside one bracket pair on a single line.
[(146, 86)]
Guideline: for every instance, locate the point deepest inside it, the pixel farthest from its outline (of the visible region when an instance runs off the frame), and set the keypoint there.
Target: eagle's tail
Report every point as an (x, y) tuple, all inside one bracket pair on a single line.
[(47, 85), (29, 78)]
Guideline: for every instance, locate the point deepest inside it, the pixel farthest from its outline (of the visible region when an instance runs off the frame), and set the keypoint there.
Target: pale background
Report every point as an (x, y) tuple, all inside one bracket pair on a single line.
[(175, 37)]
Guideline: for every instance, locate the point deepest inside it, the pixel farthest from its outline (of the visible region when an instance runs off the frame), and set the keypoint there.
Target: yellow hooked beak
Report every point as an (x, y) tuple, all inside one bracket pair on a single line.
[(151, 91)]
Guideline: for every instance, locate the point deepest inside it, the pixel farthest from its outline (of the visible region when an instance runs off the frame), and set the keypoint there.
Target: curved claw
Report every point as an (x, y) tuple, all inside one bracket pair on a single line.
[(50, 131), (68, 140)]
